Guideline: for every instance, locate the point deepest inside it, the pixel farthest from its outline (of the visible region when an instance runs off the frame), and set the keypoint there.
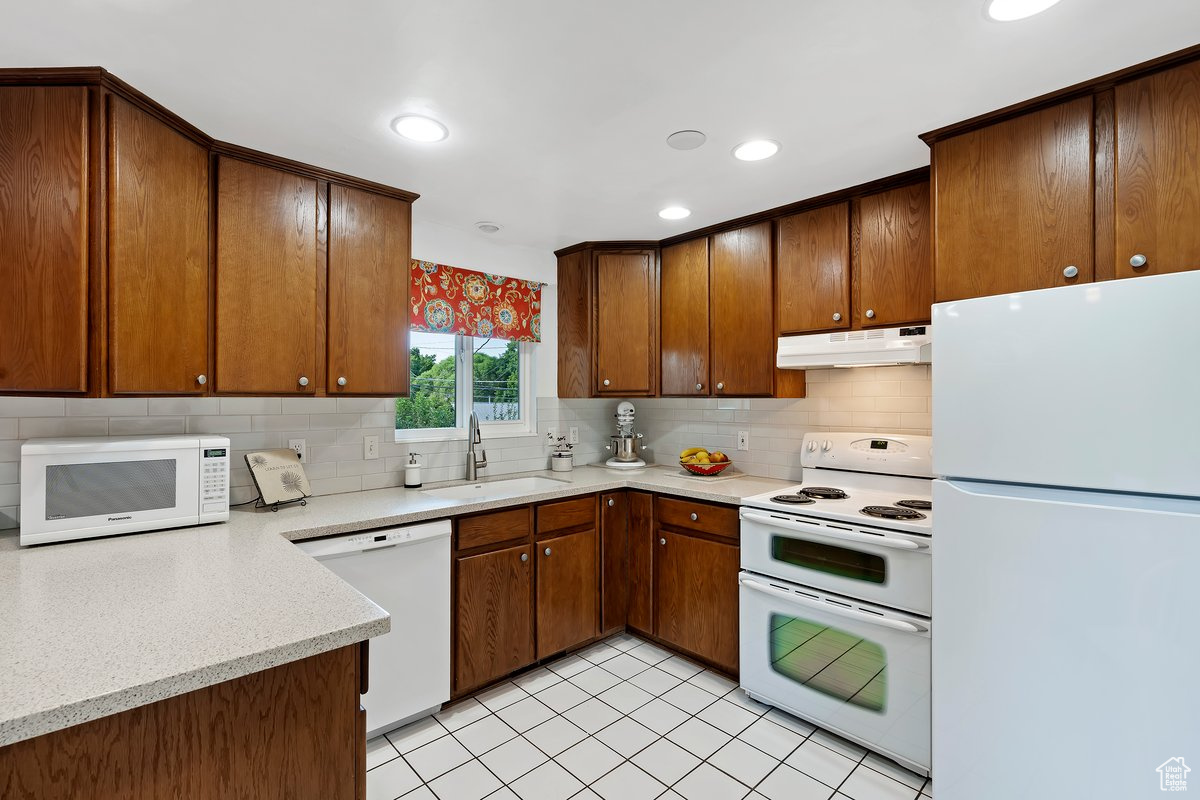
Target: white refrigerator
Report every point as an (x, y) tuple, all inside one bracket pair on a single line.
[(1066, 580)]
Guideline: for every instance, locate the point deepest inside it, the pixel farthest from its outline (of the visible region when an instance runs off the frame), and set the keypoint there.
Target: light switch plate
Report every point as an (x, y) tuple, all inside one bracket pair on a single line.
[(301, 448), (743, 440), (370, 447)]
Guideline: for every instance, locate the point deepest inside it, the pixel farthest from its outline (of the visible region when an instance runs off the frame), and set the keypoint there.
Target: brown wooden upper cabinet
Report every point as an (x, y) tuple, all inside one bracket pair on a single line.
[(813, 263), (892, 258), (158, 265), (45, 199), (575, 349), (369, 246), (741, 312), (1012, 204), (1158, 173), (626, 332), (268, 270), (685, 321)]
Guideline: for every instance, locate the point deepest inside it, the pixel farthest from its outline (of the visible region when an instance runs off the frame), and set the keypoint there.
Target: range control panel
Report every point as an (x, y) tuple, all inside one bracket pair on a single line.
[(889, 454)]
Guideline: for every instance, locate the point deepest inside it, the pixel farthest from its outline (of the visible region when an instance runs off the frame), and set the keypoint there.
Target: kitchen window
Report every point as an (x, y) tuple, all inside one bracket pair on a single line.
[(452, 375)]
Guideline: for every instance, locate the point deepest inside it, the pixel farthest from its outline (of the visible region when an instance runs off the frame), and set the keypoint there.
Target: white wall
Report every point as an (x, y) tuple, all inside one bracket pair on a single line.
[(488, 253)]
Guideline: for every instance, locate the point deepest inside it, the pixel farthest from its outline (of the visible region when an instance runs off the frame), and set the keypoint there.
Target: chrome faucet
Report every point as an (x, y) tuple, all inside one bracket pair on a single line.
[(473, 464)]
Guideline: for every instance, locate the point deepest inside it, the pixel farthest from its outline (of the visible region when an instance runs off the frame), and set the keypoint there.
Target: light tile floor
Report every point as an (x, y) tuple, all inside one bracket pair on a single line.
[(625, 720)]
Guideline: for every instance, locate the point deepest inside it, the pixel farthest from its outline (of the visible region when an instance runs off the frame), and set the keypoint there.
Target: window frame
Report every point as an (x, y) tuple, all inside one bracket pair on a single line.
[(464, 351)]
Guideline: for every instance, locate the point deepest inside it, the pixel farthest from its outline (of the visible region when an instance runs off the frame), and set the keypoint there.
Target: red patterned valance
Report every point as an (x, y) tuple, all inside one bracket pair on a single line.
[(463, 301)]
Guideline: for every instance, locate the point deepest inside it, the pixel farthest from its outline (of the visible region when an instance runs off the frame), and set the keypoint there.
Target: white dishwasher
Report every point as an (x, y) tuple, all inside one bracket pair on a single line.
[(405, 571)]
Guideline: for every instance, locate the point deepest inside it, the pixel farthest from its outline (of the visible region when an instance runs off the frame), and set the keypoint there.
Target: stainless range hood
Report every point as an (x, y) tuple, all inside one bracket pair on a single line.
[(873, 348)]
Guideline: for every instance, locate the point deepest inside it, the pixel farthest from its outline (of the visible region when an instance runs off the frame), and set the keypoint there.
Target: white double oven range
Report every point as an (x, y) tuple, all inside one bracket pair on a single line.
[(835, 592)]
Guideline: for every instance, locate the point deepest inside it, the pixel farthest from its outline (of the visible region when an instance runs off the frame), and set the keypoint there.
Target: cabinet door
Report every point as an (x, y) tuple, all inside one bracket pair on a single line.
[(626, 322), (741, 320), (893, 262), (368, 293), (684, 315), (493, 620), (575, 325), (44, 239), (696, 597), (1013, 204), (813, 270), (641, 562), (614, 560), (267, 274), (158, 221), (1158, 173), (566, 591)]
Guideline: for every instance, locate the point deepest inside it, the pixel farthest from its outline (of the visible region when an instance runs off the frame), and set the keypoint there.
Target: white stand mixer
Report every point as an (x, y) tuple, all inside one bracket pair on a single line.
[(623, 445)]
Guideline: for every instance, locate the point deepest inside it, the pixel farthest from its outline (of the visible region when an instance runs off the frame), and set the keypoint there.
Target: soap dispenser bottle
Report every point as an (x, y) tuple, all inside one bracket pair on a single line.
[(412, 472)]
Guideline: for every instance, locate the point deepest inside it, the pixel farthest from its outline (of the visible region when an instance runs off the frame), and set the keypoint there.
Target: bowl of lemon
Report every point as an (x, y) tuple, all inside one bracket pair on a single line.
[(699, 461)]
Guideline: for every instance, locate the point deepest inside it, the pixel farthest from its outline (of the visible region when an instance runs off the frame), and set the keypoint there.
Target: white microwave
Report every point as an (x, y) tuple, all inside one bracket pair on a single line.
[(99, 486)]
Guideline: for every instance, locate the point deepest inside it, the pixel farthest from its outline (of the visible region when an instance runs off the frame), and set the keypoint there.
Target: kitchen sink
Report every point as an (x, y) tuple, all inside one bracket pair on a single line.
[(496, 490)]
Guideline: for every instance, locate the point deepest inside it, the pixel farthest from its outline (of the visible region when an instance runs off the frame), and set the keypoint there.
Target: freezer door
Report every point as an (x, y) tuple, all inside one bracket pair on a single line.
[(1091, 386), (1066, 653)]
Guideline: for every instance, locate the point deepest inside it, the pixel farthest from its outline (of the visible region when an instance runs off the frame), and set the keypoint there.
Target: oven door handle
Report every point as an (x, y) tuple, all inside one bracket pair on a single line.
[(832, 533), (783, 594)]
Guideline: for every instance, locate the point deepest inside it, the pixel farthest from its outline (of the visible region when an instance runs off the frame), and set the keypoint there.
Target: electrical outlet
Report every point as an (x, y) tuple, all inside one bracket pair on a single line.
[(300, 446), (573, 435), (370, 447), (743, 440)]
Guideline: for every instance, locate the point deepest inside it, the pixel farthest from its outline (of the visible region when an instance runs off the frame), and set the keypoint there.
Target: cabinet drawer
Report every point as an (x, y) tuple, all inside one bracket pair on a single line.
[(700, 517), (575, 513), (485, 529)]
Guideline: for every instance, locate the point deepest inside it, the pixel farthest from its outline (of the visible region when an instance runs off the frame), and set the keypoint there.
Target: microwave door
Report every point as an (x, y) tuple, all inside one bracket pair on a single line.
[(86, 494)]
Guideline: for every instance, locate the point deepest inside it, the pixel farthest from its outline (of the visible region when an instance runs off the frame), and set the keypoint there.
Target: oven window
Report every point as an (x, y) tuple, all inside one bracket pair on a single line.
[(830, 559), (116, 487), (830, 660)]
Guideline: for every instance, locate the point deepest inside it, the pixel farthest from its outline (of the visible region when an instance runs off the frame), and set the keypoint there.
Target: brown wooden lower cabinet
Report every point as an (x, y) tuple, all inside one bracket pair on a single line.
[(493, 615), (294, 731), (566, 591), (614, 561), (696, 596), (641, 562)]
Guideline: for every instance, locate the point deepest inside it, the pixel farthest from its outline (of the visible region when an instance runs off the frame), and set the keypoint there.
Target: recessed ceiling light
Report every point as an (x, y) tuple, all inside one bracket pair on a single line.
[(756, 150), (675, 212), (487, 227), (1010, 10), (686, 140), (419, 129)]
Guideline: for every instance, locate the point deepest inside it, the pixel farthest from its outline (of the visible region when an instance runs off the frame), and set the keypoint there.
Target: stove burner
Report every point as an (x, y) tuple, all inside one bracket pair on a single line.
[(891, 512), (920, 505), (792, 499), (823, 493)]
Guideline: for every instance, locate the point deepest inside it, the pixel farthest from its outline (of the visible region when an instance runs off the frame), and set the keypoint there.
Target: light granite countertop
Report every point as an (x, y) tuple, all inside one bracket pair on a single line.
[(92, 628)]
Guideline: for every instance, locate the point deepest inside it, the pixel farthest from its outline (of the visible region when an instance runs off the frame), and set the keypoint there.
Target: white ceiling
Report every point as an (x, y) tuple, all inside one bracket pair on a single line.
[(558, 109)]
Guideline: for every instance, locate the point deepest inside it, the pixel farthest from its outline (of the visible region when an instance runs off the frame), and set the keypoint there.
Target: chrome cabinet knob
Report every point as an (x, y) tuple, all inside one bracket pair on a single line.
[(547, 551), (341, 381), (662, 541), (201, 379), (524, 556), (1071, 271), (694, 517), (837, 316), (699, 386), (870, 313), (1138, 260), (606, 381), (720, 387), (611, 502), (303, 381)]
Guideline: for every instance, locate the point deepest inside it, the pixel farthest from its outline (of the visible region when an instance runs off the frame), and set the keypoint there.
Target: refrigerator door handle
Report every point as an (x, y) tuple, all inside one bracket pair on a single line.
[(829, 533), (886, 622)]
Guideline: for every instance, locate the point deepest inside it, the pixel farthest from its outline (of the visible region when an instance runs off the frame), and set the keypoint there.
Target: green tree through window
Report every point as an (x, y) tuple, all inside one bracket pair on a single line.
[(495, 382)]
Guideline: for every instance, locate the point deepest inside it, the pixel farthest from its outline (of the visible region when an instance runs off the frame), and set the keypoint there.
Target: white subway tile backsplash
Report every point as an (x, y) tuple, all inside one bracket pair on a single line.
[(10, 494), (219, 425), (309, 405), (32, 406), (33, 427), (106, 407), (145, 426), (279, 422), (251, 405), (8, 427), (365, 405), (349, 483), (379, 419), (184, 406), (321, 421)]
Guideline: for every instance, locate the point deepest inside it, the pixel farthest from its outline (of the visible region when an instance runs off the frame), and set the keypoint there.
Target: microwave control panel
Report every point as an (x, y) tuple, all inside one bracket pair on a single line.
[(214, 480)]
